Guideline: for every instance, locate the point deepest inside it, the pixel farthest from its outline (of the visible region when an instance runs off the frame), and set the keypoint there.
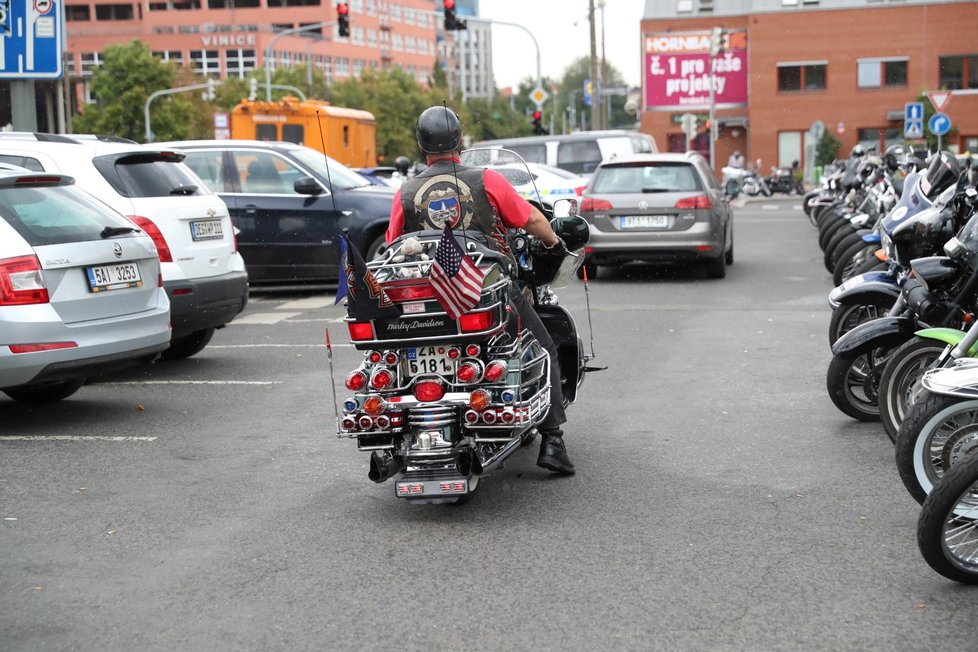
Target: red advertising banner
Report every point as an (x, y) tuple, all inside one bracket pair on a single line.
[(677, 73)]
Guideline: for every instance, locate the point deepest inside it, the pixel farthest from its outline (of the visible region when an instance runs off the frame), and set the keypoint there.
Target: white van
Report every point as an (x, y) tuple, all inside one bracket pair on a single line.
[(580, 152)]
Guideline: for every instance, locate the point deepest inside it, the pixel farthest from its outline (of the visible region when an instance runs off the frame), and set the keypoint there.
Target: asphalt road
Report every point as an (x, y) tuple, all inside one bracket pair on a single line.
[(721, 500)]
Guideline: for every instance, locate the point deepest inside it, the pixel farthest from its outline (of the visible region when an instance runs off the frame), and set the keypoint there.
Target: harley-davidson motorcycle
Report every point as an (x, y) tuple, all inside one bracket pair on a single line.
[(439, 402)]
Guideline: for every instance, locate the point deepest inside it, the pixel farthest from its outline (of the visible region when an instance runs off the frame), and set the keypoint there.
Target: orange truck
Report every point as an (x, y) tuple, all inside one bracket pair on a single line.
[(350, 135)]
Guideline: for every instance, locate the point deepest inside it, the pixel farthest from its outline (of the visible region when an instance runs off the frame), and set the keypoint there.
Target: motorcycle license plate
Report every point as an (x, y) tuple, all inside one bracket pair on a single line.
[(429, 360), (643, 221)]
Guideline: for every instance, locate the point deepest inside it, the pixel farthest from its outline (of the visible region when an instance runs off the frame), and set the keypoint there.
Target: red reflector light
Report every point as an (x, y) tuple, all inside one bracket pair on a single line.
[(21, 281), (390, 358), (181, 292), (373, 356), (409, 292), (365, 422), (507, 416), (356, 381), (454, 353), (429, 390), (475, 322), (472, 350), (489, 417), (361, 330), (496, 370), (699, 201), (382, 379), (44, 346), (162, 249), (471, 416), (349, 423), (703, 248), (592, 204), (383, 422), (469, 372)]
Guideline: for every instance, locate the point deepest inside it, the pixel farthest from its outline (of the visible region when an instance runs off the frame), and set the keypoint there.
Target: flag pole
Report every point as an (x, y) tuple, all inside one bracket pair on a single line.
[(332, 382)]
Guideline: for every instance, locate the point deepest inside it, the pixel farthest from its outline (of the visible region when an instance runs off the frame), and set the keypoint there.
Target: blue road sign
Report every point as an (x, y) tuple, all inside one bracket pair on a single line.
[(913, 120), (32, 39), (588, 92), (939, 124)]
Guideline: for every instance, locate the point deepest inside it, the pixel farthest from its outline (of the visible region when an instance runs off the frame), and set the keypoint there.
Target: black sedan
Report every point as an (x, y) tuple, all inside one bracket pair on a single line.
[(290, 203)]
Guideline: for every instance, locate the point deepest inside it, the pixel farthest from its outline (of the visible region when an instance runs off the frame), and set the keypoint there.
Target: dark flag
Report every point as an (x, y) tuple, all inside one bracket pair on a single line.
[(365, 298), (456, 280)]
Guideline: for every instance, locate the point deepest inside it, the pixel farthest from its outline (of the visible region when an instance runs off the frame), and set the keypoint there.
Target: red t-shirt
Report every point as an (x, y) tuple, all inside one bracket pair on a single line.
[(513, 210)]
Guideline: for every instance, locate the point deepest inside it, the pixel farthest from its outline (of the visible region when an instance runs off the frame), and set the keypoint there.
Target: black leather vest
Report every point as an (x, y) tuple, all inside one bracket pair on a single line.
[(444, 193)]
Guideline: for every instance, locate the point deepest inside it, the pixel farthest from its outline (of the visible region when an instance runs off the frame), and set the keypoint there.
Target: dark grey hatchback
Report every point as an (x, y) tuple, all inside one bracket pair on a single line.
[(657, 208), (289, 206)]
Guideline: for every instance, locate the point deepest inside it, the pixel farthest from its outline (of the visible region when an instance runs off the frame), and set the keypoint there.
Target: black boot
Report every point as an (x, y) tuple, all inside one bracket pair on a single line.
[(553, 454)]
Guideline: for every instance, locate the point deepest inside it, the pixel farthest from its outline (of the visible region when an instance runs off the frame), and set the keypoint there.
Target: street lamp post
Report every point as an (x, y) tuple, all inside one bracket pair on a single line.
[(268, 50), (209, 85), (501, 22)]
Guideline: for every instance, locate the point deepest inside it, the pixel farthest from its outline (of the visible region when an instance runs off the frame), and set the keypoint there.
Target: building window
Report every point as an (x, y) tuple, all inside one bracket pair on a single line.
[(239, 62), (113, 12), (77, 13), (396, 13), (356, 6), (808, 76), (684, 6), (372, 38), (397, 43), (90, 61), (408, 16), (357, 36), (342, 67), (358, 67), (879, 138), (959, 72), (371, 7), (206, 62), (877, 73), (172, 56)]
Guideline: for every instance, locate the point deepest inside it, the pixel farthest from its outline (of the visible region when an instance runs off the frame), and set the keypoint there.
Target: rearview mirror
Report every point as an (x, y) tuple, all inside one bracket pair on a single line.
[(565, 208)]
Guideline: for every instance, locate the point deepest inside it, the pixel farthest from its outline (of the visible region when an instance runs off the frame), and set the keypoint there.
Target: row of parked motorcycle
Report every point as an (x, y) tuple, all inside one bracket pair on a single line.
[(899, 234), (740, 179)]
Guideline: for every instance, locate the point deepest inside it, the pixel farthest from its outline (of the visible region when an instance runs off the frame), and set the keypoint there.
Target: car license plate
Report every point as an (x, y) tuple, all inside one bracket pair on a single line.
[(113, 277), (429, 360), (207, 230), (644, 221)]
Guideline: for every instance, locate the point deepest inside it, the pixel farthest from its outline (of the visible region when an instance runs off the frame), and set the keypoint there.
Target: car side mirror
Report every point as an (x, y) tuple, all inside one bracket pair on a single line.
[(307, 186)]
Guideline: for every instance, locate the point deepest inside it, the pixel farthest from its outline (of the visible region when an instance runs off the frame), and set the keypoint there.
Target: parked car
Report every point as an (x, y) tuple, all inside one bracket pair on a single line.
[(658, 207), (79, 289), (289, 203), (203, 273), (548, 184), (579, 152), (379, 176)]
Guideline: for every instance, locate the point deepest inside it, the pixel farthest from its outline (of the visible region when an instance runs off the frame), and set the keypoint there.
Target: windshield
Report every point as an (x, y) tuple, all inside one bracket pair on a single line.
[(338, 174), (504, 161)]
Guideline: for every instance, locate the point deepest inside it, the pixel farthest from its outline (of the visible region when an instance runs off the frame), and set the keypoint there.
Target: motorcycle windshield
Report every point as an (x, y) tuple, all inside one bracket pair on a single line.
[(912, 201)]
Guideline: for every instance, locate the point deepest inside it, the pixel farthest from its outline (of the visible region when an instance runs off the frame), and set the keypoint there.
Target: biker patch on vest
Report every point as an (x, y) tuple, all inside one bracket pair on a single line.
[(444, 199)]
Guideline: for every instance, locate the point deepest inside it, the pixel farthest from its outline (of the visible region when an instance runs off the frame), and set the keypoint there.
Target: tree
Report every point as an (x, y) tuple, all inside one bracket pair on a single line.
[(572, 93), (827, 148), (128, 75)]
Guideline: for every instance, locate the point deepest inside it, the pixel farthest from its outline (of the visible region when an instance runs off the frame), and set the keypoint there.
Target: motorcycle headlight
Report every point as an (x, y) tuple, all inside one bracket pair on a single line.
[(887, 242)]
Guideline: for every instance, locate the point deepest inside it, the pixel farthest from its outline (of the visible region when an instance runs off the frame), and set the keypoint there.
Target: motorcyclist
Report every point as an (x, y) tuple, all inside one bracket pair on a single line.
[(736, 160), (486, 202)]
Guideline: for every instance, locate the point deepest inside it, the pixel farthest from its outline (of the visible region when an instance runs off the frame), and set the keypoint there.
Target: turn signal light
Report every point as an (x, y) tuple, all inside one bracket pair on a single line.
[(699, 201), (429, 390), (469, 372), (475, 322), (496, 370), (479, 399), (373, 405), (356, 381)]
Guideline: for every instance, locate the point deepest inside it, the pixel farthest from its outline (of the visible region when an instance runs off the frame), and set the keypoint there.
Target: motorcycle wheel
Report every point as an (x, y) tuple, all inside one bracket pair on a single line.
[(853, 378), (871, 264), (766, 191), (850, 314), (841, 241), (947, 530), (901, 378), (851, 258), (937, 432), (830, 229)]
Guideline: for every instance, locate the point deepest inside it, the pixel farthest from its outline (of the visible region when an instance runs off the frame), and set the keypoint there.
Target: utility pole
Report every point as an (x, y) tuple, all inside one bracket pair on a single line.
[(595, 79), (605, 100)]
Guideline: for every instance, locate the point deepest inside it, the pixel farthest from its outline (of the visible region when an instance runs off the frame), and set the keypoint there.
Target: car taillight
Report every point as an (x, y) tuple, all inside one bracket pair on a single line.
[(410, 293), (429, 390), (162, 249), (475, 322), (361, 330), (699, 201), (21, 282), (580, 190), (591, 204)]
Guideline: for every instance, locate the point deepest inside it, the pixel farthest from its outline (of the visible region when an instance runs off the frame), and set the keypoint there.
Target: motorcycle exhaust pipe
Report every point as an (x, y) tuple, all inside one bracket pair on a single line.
[(468, 464), (383, 467)]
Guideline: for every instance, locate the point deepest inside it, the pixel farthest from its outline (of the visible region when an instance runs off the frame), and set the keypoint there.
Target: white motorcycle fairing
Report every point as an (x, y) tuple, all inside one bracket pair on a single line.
[(959, 380)]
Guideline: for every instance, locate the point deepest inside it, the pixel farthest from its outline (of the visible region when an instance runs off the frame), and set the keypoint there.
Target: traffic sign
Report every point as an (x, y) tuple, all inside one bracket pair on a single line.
[(539, 96), (913, 120), (817, 130), (939, 99), (32, 40), (939, 124)]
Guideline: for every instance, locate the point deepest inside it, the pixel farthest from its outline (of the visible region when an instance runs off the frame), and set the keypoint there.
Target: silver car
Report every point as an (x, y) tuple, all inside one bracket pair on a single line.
[(657, 208), (80, 290)]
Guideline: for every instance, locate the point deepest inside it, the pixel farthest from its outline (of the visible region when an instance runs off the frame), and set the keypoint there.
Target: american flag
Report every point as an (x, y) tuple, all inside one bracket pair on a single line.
[(456, 280)]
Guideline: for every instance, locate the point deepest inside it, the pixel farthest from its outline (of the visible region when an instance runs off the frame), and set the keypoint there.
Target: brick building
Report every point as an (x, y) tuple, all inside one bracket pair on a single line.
[(850, 64)]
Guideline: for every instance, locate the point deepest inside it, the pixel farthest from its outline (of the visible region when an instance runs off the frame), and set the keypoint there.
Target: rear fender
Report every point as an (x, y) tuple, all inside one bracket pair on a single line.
[(950, 336), (885, 330), (959, 380), (868, 283)]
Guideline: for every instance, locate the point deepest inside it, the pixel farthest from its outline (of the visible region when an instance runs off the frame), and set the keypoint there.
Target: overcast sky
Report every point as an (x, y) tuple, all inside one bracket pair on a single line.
[(561, 28)]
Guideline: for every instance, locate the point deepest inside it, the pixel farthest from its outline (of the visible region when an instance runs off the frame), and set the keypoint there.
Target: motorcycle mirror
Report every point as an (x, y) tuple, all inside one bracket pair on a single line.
[(955, 248), (565, 208)]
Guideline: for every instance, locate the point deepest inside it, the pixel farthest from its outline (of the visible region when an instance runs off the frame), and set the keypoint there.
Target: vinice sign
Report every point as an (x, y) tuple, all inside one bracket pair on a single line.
[(677, 71)]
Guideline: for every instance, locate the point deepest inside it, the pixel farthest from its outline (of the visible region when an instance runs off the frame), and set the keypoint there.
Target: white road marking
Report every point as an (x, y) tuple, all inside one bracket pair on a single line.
[(265, 318), (194, 382), (71, 438), (769, 207), (309, 303)]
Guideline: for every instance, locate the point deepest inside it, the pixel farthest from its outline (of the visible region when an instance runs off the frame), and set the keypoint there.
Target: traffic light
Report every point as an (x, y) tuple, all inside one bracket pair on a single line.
[(343, 18), (252, 89), (538, 129), (451, 22)]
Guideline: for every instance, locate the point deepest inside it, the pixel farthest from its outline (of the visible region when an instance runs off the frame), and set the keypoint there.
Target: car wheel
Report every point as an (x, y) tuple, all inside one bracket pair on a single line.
[(47, 393), (728, 257), (716, 267), (377, 246), (182, 348)]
